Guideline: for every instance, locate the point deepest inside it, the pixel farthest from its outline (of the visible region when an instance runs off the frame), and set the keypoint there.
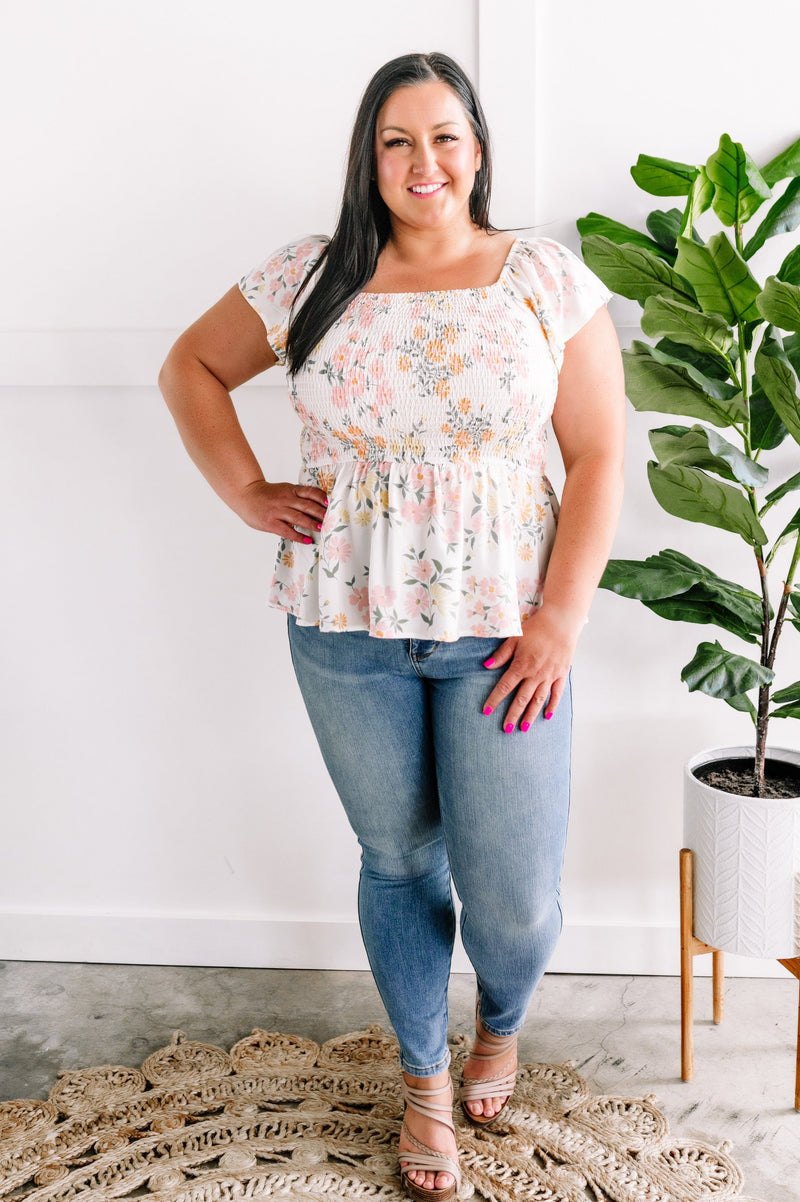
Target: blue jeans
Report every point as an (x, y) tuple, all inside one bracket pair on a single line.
[(433, 788)]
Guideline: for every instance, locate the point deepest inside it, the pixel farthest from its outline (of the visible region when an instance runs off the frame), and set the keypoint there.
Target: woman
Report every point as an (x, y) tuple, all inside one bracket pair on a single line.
[(426, 352)]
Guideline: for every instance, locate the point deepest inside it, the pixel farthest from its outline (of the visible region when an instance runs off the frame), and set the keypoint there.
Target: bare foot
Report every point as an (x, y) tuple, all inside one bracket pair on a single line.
[(502, 1061), (434, 1134)]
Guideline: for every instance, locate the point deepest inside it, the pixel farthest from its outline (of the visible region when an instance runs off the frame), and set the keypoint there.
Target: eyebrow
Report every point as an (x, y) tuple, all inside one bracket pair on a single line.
[(400, 129)]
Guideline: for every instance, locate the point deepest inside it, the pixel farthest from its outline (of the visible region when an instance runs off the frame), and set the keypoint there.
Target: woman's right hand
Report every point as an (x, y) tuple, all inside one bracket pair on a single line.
[(279, 508)]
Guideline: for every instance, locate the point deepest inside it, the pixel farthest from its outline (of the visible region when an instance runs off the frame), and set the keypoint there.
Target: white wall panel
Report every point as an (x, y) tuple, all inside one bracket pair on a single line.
[(160, 785)]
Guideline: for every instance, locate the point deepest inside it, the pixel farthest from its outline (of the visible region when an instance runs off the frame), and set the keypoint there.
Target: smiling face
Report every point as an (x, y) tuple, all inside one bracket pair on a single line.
[(426, 156)]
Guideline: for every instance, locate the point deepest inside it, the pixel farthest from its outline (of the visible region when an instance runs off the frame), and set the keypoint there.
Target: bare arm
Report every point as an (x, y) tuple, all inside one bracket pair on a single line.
[(221, 350), (589, 423)]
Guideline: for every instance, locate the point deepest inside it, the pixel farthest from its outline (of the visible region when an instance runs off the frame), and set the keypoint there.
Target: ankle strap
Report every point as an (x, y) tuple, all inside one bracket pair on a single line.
[(501, 1043), (421, 1101)]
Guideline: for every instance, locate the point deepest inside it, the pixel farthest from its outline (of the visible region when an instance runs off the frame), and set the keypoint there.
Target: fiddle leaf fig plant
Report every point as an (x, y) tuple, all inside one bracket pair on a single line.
[(724, 355)]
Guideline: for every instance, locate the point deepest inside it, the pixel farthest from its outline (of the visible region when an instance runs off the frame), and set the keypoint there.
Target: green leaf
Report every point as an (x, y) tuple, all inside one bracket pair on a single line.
[(786, 711), (782, 218), (665, 225), (767, 431), (700, 199), (649, 580), (596, 223), (743, 703), (688, 493), (783, 165), (789, 270), (696, 446), (698, 604), (678, 589), (790, 693), (664, 317), (719, 673), (780, 492), (780, 304), (658, 382), (779, 380), (720, 278), (707, 365), (632, 271), (739, 187), (663, 177)]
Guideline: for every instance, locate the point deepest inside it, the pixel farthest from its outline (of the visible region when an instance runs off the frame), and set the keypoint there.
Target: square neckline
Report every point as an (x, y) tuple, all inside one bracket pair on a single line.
[(450, 291)]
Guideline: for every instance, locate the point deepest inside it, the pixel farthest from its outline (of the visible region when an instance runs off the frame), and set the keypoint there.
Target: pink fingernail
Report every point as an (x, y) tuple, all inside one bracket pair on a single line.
[(488, 663), (325, 502), (319, 525), (509, 726), (524, 725), (547, 717), (487, 709), (306, 539)]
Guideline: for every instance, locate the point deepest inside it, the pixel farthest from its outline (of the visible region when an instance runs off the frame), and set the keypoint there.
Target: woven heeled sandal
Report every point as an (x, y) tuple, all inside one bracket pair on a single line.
[(421, 1158), (477, 1089)]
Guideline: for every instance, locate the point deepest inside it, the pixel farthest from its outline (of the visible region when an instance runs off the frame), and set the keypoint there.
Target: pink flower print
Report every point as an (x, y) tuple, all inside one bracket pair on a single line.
[(489, 587), (416, 600), (339, 397), (383, 396), (360, 598), (387, 342), (417, 475), (416, 513), (382, 596), (421, 570), (337, 549)]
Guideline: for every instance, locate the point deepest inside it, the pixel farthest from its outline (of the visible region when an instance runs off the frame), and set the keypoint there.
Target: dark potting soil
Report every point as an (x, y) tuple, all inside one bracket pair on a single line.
[(736, 776)]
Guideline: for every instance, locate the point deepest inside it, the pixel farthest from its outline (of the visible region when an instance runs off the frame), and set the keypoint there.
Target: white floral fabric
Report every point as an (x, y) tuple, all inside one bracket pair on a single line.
[(424, 420)]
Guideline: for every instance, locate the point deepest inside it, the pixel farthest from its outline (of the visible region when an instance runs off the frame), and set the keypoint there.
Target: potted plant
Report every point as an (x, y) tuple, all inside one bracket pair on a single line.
[(725, 354)]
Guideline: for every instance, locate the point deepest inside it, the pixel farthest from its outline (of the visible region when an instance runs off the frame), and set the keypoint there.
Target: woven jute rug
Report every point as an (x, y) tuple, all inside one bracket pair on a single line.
[(283, 1117)]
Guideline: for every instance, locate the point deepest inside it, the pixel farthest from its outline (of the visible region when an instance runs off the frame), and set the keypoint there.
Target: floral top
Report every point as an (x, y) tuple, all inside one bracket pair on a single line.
[(424, 419)]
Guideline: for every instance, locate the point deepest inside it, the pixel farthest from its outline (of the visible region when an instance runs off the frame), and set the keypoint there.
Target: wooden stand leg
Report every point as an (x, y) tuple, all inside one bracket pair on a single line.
[(691, 947), (794, 968)]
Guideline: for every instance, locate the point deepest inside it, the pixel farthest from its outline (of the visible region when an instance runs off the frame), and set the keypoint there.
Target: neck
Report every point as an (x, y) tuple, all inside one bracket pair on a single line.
[(414, 247)]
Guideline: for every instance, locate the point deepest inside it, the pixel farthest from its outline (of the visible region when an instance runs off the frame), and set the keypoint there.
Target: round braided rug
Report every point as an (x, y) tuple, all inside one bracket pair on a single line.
[(283, 1117)]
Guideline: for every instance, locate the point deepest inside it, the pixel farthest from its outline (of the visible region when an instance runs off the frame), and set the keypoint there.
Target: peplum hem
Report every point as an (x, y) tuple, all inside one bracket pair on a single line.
[(421, 550)]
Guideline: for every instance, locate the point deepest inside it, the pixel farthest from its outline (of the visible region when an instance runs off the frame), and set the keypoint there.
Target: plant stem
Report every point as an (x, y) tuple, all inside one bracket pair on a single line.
[(787, 592), (764, 691)]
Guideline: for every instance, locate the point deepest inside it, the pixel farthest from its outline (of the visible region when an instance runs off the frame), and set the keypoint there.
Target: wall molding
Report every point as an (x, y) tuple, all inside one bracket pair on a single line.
[(242, 942)]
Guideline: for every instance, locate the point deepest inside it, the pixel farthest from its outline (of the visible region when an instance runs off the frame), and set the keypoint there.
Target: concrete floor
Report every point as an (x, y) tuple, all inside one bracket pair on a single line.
[(623, 1032)]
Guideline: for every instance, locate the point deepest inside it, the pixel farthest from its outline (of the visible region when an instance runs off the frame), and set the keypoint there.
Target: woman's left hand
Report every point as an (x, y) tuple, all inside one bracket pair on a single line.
[(538, 666)]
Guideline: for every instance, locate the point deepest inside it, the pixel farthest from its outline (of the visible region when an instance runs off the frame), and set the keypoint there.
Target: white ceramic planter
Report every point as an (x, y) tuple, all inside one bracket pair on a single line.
[(746, 862)]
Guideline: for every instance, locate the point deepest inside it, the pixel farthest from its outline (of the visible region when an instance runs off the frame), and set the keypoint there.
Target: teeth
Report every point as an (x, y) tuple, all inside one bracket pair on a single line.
[(425, 187)]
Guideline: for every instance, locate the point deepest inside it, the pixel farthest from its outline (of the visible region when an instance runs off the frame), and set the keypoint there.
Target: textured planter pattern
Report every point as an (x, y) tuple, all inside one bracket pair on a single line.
[(746, 863)]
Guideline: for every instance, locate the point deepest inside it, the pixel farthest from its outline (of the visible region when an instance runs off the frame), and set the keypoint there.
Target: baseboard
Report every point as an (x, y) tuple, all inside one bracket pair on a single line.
[(241, 942)]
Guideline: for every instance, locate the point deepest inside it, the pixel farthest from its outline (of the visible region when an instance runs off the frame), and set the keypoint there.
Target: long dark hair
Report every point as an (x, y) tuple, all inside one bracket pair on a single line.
[(351, 256)]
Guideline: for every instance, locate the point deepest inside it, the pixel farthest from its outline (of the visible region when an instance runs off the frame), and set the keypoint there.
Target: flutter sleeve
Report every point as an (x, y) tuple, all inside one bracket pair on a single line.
[(272, 286), (563, 292)]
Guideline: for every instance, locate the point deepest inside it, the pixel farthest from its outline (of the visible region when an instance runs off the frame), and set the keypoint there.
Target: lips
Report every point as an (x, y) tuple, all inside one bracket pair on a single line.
[(425, 189)]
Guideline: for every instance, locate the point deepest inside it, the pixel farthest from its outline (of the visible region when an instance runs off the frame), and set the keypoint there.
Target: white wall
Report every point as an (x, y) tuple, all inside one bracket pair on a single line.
[(163, 798)]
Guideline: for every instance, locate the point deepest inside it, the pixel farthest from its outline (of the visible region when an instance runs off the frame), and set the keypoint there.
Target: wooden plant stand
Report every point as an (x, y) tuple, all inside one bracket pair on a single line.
[(691, 947)]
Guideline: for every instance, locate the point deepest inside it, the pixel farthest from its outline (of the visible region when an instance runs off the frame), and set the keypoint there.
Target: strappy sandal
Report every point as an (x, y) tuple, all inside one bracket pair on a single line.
[(477, 1089), (421, 1158)]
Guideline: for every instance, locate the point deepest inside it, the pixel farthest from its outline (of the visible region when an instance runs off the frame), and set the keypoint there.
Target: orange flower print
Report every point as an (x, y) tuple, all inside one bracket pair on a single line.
[(435, 350), (464, 405), (450, 334), (462, 439), (419, 332), (287, 559), (442, 389), (340, 622), (456, 364), (403, 363)]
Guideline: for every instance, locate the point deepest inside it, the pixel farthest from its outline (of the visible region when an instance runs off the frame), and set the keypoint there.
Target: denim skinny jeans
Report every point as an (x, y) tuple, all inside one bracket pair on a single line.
[(433, 788)]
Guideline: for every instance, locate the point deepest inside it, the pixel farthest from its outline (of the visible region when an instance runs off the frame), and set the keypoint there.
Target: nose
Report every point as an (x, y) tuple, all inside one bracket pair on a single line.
[(423, 159)]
